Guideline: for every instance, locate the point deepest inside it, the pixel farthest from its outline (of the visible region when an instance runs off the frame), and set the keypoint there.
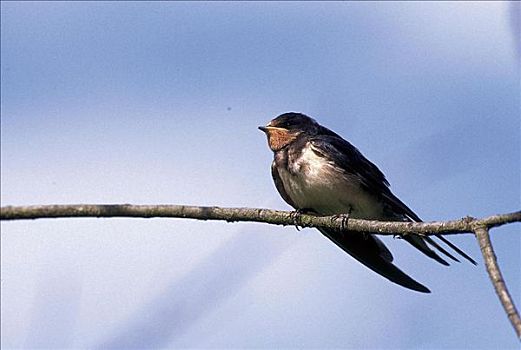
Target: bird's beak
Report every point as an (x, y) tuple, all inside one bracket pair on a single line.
[(263, 128)]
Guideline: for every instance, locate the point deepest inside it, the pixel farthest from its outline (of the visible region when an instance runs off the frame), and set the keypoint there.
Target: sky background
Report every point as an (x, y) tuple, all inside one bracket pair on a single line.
[(155, 103)]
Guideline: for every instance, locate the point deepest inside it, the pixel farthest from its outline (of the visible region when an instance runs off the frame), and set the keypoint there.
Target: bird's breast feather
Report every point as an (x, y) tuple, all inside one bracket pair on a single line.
[(314, 181)]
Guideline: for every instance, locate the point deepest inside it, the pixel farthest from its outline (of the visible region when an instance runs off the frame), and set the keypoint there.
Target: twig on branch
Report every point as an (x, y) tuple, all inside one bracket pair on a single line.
[(497, 279), (276, 217), (479, 227)]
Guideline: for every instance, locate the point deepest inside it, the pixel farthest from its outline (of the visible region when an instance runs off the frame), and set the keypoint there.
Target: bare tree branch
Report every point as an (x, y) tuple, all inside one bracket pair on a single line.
[(276, 217), (497, 279), (479, 227)]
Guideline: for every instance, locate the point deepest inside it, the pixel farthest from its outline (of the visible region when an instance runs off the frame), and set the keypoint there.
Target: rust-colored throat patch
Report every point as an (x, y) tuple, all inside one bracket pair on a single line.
[(279, 137)]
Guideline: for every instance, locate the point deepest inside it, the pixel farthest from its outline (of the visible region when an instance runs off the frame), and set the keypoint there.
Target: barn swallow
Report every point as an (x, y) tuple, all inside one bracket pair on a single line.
[(316, 171)]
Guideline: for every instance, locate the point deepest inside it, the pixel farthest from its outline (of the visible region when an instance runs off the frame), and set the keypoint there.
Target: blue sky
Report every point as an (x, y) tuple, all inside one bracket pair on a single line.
[(148, 103)]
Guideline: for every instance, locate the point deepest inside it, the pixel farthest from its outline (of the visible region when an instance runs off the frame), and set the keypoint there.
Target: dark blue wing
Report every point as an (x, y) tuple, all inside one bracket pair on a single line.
[(280, 186)]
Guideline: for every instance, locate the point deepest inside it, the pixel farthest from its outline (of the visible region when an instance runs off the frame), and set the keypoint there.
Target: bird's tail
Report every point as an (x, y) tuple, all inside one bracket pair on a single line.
[(371, 252), (420, 243)]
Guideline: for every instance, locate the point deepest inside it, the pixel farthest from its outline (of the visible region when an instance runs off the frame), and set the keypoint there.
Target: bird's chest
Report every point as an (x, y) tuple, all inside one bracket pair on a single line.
[(314, 182)]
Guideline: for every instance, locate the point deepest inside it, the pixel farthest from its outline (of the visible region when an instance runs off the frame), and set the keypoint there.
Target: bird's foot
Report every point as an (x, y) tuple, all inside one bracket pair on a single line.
[(345, 219), (343, 223), (295, 216)]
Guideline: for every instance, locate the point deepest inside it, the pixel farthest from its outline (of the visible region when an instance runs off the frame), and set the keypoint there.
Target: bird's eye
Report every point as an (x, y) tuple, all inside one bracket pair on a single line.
[(287, 124)]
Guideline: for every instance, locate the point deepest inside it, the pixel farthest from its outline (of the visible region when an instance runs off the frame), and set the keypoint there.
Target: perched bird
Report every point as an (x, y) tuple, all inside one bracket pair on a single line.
[(317, 171)]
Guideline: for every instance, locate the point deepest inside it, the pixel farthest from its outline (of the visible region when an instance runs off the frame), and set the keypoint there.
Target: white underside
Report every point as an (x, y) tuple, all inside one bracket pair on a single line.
[(319, 185)]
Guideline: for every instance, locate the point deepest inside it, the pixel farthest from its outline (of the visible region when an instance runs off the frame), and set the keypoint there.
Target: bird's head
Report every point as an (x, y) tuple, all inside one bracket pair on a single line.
[(284, 129)]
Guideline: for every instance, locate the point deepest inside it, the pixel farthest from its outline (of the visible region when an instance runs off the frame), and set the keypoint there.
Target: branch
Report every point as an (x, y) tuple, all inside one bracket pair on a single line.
[(340, 222), (497, 279), (275, 217)]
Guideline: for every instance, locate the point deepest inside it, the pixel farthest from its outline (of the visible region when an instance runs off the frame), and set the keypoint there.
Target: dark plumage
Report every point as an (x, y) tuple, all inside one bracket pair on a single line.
[(316, 170)]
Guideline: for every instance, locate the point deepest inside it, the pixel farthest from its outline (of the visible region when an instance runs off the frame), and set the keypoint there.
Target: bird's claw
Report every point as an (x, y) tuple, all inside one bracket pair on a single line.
[(296, 217), (343, 223), (345, 219)]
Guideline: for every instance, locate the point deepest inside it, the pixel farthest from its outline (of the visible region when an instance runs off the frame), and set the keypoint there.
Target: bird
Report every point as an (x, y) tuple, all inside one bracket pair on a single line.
[(318, 172)]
